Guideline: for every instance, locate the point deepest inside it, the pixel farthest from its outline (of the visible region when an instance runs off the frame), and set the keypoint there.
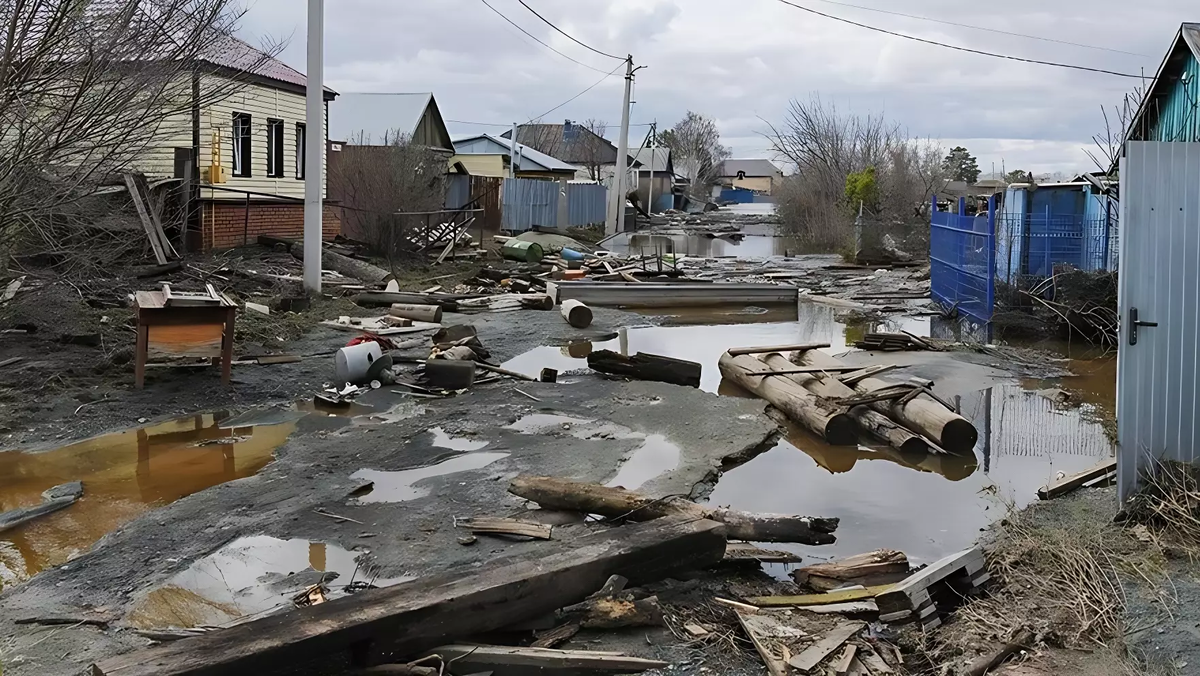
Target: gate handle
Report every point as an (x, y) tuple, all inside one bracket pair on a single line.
[(1134, 323)]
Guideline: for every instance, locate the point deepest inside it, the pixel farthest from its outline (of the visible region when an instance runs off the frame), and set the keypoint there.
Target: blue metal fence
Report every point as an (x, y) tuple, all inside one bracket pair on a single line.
[(1033, 244), (529, 202), (962, 257)]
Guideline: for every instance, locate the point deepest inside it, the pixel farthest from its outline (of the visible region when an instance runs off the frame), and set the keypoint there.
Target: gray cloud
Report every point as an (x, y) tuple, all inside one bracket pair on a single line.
[(739, 62)]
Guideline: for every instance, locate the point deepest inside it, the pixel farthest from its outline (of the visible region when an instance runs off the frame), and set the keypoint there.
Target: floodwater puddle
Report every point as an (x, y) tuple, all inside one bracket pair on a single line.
[(705, 343), (400, 486), (924, 504), (753, 241), (124, 475), (655, 456), (250, 576), (443, 440)]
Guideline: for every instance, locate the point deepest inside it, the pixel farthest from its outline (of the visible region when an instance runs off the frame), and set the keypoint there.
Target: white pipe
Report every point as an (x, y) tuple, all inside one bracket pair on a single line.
[(314, 148)]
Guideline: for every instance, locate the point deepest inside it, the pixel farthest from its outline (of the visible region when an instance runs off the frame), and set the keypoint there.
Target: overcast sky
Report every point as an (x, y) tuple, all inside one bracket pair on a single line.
[(741, 63)]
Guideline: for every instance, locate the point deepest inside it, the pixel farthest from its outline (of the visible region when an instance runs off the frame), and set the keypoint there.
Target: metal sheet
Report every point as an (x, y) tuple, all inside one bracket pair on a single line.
[(1157, 377), (529, 202), (586, 203)]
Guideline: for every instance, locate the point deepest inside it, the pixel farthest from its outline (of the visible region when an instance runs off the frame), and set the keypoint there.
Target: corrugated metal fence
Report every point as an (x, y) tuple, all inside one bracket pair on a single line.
[(586, 203), (962, 259), (529, 202)]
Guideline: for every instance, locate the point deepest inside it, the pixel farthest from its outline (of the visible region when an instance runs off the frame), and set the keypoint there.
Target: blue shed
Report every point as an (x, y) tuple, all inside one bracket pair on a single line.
[(1040, 226), (1169, 110)]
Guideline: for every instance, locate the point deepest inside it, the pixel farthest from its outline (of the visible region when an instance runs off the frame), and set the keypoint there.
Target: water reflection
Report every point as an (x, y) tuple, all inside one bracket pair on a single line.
[(251, 575), (124, 475), (1025, 440)]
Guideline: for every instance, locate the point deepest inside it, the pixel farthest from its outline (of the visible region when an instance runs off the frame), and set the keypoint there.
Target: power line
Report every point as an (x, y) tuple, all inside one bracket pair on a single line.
[(514, 24), (956, 47), (597, 83), (983, 28), (569, 37)]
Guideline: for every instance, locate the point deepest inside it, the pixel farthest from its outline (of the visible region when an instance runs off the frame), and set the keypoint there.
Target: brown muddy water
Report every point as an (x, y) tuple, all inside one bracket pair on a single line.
[(926, 505), (124, 474)]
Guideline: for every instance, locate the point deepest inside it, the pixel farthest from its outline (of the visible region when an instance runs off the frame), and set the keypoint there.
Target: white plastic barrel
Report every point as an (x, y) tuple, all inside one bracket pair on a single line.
[(351, 364)]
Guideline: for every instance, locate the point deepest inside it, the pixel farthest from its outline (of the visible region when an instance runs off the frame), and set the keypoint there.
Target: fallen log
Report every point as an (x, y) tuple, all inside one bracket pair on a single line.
[(588, 498), (388, 298), (576, 313), (643, 366), (420, 313), (370, 627), (352, 267), (877, 424), (740, 351), (826, 419), (921, 414)]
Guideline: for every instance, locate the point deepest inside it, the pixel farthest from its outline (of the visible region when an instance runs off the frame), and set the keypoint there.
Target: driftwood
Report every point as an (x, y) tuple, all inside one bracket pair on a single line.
[(53, 499), (555, 493), (352, 267), (875, 568), (1023, 640), (646, 367), (921, 414), (828, 420)]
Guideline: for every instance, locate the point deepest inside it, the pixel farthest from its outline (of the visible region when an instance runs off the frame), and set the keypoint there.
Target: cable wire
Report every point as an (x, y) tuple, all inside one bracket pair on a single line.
[(514, 24), (983, 28), (597, 83), (568, 36), (956, 47)]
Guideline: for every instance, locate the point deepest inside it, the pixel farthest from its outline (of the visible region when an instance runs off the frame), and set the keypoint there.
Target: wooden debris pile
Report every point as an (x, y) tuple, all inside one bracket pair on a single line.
[(841, 403)]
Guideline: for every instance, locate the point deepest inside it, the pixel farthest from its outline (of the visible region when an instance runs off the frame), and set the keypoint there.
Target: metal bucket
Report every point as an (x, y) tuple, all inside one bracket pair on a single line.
[(521, 250)]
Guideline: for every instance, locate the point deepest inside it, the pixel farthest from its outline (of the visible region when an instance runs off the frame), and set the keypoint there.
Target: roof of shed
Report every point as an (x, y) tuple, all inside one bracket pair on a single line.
[(749, 167), (547, 162), (661, 158), (1189, 36), (397, 111)]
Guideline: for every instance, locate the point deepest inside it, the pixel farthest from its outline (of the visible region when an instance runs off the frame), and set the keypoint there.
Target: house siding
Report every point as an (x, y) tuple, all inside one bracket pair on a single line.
[(1178, 118)]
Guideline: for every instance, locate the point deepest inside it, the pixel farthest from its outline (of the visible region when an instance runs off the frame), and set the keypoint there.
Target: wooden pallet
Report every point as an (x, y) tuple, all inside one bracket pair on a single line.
[(944, 583)]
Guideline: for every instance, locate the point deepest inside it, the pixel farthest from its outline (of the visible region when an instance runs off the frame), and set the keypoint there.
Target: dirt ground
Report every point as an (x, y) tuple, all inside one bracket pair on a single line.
[(62, 391)]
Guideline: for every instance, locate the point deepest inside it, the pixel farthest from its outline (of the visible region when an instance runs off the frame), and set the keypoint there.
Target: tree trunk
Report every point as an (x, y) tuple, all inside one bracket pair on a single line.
[(922, 414), (555, 493), (818, 414), (577, 314), (352, 267), (420, 313), (877, 424), (646, 367)]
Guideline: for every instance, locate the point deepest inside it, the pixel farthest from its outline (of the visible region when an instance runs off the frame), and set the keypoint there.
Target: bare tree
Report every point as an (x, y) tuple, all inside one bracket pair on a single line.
[(388, 191), (824, 147), (594, 151), (696, 149), (1116, 129), (89, 87)]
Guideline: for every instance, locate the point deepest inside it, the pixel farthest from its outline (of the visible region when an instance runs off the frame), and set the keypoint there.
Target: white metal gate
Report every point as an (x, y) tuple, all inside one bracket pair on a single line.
[(1158, 410)]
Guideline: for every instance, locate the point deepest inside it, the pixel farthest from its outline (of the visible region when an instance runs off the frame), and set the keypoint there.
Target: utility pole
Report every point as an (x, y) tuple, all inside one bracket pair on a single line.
[(314, 147), (653, 133), (512, 151), (616, 200)]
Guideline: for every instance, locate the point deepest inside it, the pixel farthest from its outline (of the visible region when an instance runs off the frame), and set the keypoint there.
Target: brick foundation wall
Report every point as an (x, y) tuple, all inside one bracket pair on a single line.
[(223, 224)]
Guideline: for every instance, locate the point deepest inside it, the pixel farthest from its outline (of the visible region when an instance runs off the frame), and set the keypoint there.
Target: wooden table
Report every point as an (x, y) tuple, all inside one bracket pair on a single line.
[(183, 331)]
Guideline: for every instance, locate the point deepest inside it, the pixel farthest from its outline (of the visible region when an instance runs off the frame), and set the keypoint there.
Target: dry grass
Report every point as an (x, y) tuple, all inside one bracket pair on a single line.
[(1169, 506)]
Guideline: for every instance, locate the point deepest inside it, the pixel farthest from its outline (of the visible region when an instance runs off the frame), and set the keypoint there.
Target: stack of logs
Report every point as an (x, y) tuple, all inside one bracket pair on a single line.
[(840, 403)]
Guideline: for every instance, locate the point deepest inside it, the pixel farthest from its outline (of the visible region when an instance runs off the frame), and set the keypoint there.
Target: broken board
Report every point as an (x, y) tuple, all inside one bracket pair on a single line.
[(1069, 483), (808, 660), (412, 617)]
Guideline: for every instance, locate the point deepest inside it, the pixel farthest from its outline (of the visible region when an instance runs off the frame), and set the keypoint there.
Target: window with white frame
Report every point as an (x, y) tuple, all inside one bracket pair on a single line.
[(274, 148), (301, 142), (241, 145)]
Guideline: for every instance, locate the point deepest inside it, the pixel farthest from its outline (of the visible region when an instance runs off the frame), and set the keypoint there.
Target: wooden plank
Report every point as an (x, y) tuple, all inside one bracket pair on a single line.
[(842, 666), (883, 566), (804, 369), (151, 234), (820, 599), (800, 347), (744, 551), (874, 662), (645, 366), (808, 660), (504, 660), (277, 359), (10, 361), (502, 526), (1069, 483), (759, 629), (855, 608), (417, 616), (185, 340)]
